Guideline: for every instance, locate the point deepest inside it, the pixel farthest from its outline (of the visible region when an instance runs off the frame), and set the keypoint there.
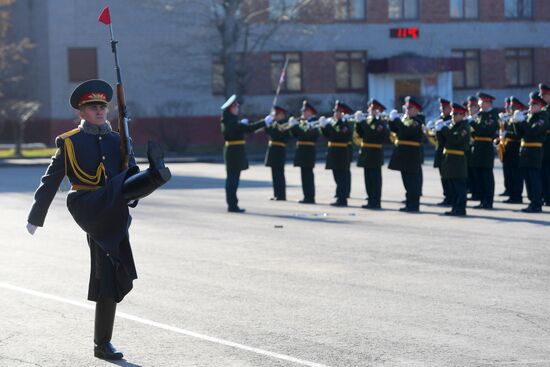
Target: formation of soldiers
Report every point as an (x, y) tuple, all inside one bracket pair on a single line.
[(465, 137)]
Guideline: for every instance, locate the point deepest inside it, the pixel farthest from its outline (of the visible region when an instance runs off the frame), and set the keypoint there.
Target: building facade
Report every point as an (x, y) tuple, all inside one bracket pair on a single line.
[(341, 49)]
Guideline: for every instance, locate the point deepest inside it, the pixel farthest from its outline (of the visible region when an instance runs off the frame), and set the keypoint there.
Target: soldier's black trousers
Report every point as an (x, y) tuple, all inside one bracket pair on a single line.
[(457, 194), (308, 183), (445, 185), (231, 186), (341, 178), (513, 181), (546, 181), (413, 188), (533, 183), (373, 185), (348, 183), (473, 184), (485, 180), (279, 182)]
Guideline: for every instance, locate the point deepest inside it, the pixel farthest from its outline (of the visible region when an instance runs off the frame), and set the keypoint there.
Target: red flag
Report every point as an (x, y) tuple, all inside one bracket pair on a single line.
[(105, 16)]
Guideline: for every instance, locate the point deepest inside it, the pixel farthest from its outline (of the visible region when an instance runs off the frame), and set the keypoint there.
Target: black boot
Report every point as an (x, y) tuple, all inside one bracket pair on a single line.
[(142, 184), (105, 310)]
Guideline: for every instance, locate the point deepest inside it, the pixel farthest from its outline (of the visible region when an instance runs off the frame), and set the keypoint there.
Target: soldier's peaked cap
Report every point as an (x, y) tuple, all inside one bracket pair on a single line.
[(95, 91), (485, 97), (444, 102), (230, 102), (411, 102), (279, 109), (514, 102), (376, 105), (458, 108), (307, 106), (342, 107), (535, 98), (471, 100), (544, 89)]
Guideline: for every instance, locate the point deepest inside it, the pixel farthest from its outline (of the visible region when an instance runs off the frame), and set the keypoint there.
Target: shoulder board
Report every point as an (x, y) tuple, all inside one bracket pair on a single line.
[(69, 133)]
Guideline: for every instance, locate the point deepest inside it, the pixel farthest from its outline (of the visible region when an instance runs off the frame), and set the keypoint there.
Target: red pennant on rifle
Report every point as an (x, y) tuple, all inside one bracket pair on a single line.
[(105, 16)]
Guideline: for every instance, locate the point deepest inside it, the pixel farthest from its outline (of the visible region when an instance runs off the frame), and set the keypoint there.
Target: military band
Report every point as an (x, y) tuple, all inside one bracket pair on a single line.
[(466, 137)]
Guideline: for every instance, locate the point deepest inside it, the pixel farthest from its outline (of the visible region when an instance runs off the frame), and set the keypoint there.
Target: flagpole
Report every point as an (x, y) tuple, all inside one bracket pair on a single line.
[(281, 80)]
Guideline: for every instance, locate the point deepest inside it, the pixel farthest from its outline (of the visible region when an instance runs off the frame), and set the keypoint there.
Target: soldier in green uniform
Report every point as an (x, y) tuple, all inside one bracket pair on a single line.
[(484, 131), (234, 152), (439, 128), (407, 154), (276, 152), (510, 143), (305, 156), (473, 185), (373, 131), (532, 131), (338, 134), (544, 91), (454, 164)]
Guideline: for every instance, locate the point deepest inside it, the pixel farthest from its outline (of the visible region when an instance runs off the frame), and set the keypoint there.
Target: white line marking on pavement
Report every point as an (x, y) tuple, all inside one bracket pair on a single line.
[(123, 315)]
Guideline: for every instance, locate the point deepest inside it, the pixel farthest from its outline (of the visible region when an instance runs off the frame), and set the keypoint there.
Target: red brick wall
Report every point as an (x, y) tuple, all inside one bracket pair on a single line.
[(542, 62), (377, 11), (491, 10), (492, 69), (541, 10), (432, 11), (318, 72)]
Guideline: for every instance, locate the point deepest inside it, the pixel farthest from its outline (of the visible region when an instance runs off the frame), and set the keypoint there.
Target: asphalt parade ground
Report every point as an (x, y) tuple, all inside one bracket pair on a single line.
[(284, 284)]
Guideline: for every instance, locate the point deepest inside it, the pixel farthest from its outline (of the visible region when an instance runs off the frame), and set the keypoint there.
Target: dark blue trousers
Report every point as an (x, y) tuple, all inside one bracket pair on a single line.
[(231, 186), (413, 188), (485, 180), (308, 183), (457, 194), (341, 178), (373, 185), (279, 182), (533, 183), (513, 181)]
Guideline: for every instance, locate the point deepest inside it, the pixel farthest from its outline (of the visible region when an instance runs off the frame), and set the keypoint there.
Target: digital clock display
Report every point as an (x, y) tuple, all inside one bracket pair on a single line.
[(412, 32)]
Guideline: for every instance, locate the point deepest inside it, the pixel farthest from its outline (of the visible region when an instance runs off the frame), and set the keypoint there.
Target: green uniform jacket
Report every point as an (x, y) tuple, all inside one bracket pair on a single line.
[(485, 126), (232, 130), (440, 139), (372, 131), (305, 155), (406, 158), (511, 144), (532, 130), (338, 157), (457, 139), (546, 149), (276, 153)]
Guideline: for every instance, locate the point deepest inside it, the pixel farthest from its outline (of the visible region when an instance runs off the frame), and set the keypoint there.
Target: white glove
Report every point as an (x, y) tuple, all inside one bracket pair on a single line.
[(293, 121), (31, 228), (439, 124), (268, 120), (244, 121), (501, 115), (323, 121), (394, 115), (519, 116), (359, 116)]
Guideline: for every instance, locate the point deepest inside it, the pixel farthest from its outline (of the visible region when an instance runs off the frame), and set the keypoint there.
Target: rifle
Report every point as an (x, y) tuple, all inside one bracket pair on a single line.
[(124, 133)]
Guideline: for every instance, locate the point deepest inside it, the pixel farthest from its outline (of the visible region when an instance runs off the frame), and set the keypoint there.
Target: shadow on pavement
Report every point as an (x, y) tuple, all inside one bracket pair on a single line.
[(201, 183), (124, 363), (308, 217)]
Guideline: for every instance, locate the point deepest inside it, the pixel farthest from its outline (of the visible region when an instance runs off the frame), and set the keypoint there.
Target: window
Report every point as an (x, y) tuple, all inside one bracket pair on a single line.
[(464, 9), (469, 77), (518, 8), (402, 9), (350, 70), (82, 64), (283, 9), (519, 67), (293, 77), (349, 9), (218, 82)]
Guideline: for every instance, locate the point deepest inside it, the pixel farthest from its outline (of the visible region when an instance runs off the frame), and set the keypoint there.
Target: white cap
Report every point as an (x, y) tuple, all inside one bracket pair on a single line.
[(229, 102)]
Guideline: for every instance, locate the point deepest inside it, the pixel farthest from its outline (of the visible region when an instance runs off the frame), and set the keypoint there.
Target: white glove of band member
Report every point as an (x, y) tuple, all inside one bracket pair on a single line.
[(359, 116), (31, 228), (293, 121), (519, 116), (323, 121), (439, 124), (501, 115), (244, 121), (268, 120), (394, 115)]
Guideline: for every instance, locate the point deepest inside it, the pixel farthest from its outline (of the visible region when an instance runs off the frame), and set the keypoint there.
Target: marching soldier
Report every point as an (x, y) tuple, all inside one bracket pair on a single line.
[(276, 152), (484, 131), (510, 142), (504, 118), (234, 152), (101, 191), (407, 154), (338, 134), (473, 184), (533, 134), (454, 164), (305, 155), (440, 126), (544, 91)]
